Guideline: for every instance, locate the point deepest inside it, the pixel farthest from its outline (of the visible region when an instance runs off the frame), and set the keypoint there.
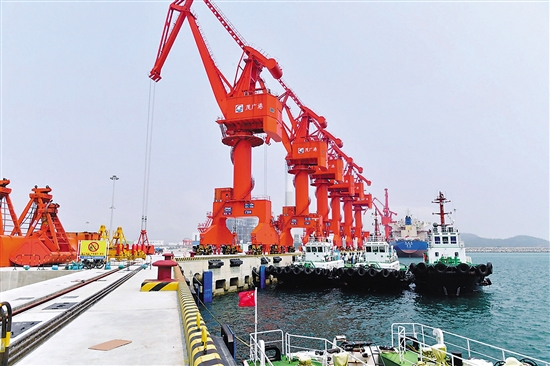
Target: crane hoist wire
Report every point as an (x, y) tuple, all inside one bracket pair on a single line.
[(148, 146)]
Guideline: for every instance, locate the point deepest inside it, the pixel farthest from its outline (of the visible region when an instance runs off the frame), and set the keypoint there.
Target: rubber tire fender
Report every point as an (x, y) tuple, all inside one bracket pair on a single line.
[(385, 273), (482, 269), (463, 268), (277, 355), (440, 268), (373, 272), (308, 270), (421, 268), (361, 271)]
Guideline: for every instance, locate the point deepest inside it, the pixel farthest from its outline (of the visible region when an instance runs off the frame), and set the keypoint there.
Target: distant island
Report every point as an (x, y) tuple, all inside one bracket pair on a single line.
[(520, 243)]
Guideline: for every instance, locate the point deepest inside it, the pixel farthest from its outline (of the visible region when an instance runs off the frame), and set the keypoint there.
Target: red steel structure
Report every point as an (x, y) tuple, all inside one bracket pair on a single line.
[(314, 156), (44, 240), (249, 110), (8, 218), (385, 214)]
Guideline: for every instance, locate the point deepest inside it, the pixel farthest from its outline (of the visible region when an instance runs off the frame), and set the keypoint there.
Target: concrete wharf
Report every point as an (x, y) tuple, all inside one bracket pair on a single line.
[(150, 327)]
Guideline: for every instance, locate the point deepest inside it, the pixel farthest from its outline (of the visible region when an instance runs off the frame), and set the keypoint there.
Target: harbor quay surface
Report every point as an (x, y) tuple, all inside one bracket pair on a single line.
[(150, 325)]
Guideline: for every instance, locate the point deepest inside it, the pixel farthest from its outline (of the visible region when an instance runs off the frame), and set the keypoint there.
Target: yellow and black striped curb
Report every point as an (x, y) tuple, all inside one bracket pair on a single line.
[(200, 347), (159, 286)]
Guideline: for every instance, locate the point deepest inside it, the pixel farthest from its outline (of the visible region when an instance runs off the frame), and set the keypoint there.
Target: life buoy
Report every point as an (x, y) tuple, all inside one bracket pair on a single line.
[(440, 268), (361, 271), (421, 268), (463, 268), (385, 273)]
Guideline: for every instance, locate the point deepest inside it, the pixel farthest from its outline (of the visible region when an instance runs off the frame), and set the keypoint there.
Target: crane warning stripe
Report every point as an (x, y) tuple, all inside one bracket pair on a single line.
[(93, 248)]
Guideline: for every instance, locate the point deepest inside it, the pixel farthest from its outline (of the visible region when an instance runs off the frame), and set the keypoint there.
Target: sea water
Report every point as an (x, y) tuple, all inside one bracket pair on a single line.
[(512, 313)]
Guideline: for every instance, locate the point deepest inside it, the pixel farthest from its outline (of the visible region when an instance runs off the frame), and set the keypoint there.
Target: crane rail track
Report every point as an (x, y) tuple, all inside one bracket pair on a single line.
[(23, 346)]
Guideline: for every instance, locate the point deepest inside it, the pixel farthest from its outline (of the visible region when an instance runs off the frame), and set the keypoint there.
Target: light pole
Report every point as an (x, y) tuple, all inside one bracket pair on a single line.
[(114, 178)]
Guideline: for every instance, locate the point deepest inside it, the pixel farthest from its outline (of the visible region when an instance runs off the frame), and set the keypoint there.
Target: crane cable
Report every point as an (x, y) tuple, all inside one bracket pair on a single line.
[(148, 145)]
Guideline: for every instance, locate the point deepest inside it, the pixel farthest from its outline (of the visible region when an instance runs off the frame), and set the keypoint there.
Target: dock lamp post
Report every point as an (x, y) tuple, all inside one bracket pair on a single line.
[(114, 178)]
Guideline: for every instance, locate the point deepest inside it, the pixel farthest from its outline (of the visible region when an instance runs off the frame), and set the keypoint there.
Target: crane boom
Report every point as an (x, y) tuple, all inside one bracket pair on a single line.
[(169, 34)]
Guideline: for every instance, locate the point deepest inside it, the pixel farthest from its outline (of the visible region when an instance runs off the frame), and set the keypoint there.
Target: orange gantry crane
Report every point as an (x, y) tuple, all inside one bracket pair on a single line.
[(249, 111), (38, 237)]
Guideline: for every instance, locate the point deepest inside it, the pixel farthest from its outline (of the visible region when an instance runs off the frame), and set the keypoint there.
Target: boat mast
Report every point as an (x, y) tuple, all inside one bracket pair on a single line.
[(441, 200), (376, 225)]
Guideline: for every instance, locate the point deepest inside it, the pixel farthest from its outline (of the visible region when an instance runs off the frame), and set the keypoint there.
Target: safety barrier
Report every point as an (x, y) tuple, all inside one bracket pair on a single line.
[(5, 318), (159, 286), (200, 346)]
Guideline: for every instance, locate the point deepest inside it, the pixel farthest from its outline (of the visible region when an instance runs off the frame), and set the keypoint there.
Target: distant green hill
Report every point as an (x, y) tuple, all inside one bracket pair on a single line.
[(474, 241)]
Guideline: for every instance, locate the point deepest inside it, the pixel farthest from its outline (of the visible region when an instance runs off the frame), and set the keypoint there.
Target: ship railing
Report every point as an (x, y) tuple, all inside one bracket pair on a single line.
[(458, 349), (260, 341)]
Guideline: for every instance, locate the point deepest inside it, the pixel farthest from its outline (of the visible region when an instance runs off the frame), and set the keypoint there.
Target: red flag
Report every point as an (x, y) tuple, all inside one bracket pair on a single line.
[(246, 298)]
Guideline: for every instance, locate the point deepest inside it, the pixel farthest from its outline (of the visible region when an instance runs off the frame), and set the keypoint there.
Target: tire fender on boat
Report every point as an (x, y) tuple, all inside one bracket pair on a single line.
[(361, 271), (308, 270), (373, 272), (318, 271), (421, 267), (385, 272), (463, 268), (482, 269), (440, 268), (277, 354)]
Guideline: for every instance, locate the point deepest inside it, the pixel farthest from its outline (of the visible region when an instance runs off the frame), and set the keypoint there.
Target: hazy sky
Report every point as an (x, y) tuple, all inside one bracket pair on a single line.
[(427, 97)]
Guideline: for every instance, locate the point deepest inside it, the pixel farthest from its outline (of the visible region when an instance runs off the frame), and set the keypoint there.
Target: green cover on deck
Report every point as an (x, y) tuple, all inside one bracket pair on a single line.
[(392, 358)]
